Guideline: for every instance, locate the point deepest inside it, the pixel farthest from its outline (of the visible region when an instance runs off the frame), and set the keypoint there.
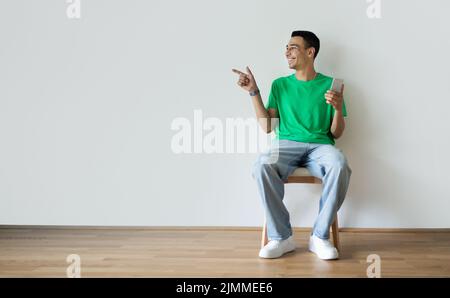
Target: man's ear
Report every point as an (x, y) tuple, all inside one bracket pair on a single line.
[(311, 52)]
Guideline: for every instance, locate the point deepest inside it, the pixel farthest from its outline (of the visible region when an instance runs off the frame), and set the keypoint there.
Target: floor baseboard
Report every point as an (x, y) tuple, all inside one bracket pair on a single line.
[(222, 228)]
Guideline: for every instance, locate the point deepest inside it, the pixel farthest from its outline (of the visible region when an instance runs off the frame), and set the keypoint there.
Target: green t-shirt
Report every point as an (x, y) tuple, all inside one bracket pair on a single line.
[(304, 114)]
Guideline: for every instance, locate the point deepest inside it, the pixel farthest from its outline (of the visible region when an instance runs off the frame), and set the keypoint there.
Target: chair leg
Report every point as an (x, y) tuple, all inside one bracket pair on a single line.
[(335, 232), (264, 234)]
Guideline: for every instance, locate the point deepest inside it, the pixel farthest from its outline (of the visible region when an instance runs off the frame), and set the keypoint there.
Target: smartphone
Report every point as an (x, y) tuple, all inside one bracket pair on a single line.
[(337, 85)]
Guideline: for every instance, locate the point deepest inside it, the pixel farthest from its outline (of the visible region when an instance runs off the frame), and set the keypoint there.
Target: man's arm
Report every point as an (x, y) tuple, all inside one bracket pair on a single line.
[(263, 115), (338, 125)]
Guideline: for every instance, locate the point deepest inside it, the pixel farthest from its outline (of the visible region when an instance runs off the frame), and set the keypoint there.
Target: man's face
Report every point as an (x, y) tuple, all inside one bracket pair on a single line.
[(297, 55)]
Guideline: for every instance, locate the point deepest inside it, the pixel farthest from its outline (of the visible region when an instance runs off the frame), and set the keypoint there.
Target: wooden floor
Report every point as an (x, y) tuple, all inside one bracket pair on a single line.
[(122, 252)]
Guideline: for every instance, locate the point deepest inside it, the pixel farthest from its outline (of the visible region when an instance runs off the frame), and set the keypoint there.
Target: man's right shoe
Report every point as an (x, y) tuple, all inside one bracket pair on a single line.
[(277, 248)]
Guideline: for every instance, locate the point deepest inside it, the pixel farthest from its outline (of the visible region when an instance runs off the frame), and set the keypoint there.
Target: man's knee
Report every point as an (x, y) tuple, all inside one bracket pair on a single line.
[(262, 164), (340, 162)]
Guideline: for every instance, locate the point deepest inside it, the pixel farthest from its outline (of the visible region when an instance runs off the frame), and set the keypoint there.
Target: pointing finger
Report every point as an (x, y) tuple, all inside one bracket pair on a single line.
[(238, 72)]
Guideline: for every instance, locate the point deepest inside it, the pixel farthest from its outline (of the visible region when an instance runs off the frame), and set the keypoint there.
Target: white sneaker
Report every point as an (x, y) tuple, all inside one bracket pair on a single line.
[(277, 248), (323, 248)]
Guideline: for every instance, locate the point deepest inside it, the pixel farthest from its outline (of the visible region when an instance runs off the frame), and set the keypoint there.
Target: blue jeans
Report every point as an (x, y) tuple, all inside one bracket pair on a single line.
[(324, 161)]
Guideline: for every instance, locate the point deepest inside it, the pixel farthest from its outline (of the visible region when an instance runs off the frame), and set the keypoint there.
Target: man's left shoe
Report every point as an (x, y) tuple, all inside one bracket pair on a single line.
[(323, 248)]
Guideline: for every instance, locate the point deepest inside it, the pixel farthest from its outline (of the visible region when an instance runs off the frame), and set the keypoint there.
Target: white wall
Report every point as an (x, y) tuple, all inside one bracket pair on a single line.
[(86, 108)]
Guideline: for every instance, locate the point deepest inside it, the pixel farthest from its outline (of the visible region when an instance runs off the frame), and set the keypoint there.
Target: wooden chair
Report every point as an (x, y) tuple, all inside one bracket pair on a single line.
[(302, 175)]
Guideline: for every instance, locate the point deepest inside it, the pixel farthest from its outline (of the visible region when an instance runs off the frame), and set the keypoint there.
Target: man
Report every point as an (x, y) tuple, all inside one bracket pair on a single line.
[(310, 117)]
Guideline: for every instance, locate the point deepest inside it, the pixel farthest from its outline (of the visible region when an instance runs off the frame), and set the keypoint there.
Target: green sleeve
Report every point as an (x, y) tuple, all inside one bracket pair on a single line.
[(273, 98)]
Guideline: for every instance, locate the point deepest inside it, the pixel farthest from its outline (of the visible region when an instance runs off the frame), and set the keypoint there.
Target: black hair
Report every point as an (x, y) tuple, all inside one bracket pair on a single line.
[(311, 40)]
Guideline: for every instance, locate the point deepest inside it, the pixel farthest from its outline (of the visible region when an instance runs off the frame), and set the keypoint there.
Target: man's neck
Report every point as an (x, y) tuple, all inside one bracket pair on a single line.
[(306, 74)]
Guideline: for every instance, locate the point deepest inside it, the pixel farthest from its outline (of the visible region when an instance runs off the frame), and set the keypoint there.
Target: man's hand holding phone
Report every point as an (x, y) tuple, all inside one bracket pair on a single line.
[(335, 96)]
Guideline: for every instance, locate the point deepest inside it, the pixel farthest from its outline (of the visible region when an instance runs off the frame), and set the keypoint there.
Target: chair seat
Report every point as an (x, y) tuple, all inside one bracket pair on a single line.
[(301, 172), (302, 175)]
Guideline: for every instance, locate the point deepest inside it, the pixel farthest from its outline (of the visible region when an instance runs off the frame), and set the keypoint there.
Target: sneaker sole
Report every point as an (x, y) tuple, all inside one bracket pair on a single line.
[(276, 257)]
